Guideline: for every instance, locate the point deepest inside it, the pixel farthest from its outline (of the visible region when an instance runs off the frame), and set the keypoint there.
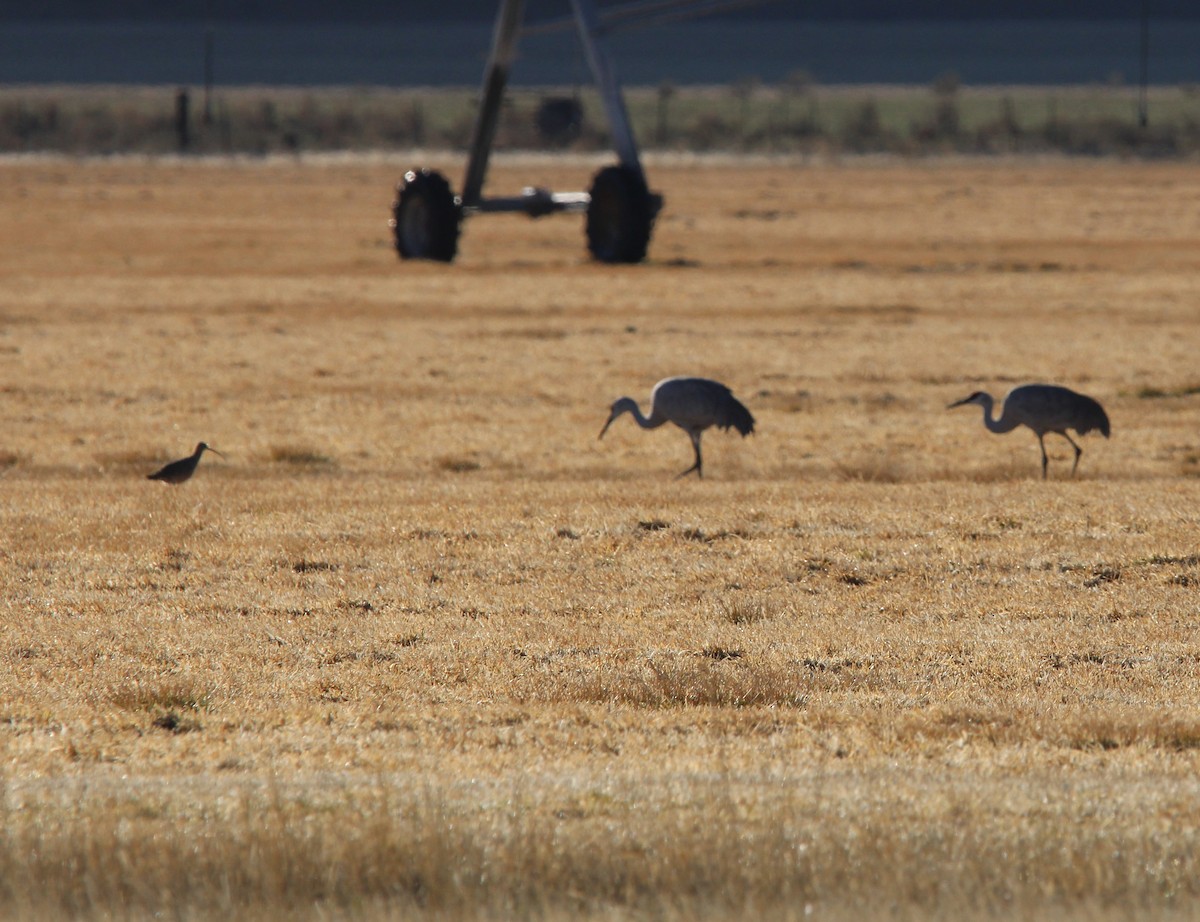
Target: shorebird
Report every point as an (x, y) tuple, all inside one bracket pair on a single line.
[(692, 404), (181, 470), (1043, 408)]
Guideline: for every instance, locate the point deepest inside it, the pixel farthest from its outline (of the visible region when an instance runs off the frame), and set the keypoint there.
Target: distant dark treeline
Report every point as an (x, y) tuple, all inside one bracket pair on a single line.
[(485, 10)]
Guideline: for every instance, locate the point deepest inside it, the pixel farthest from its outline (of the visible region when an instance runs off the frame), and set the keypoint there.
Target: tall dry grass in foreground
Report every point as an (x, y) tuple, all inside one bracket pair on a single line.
[(421, 646)]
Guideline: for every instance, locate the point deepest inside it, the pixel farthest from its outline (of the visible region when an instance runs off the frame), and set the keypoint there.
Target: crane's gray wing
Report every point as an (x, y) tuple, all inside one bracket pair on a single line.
[(1050, 408), (696, 404)]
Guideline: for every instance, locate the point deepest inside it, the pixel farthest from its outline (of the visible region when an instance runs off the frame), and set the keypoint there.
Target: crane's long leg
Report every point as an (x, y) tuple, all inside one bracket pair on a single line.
[(1045, 460), (698, 467), (1078, 450)]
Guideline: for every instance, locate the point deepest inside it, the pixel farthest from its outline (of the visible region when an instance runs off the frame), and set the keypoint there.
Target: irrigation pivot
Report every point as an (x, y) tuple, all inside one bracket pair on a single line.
[(620, 208)]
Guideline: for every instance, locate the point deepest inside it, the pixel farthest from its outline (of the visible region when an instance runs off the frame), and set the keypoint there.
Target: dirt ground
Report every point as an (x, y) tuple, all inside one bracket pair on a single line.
[(418, 595)]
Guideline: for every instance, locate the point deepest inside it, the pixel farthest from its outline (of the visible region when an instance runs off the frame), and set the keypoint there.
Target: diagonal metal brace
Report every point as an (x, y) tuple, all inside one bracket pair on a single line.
[(590, 30), (504, 46)]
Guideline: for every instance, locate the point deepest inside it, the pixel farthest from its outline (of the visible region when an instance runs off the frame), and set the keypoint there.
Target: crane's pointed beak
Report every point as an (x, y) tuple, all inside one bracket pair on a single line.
[(215, 452), (958, 403), (606, 425)]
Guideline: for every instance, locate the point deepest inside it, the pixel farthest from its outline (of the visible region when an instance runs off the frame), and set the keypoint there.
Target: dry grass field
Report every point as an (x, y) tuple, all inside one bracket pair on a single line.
[(421, 646)]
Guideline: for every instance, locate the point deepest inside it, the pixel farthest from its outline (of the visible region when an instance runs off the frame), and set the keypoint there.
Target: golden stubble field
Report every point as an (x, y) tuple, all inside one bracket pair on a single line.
[(422, 645)]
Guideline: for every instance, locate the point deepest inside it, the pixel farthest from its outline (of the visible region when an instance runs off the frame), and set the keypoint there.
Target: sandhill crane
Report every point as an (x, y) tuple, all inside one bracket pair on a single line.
[(1043, 408), (181, 470), (692, 404)]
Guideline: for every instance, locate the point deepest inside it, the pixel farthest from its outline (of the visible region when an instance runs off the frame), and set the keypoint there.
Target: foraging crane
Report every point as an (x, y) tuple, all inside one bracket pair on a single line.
[(1043, 408), (692, 404), (178, 471)]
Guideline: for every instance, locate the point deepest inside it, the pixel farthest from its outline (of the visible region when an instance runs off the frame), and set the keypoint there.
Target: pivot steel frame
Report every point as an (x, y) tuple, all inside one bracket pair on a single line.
[(538, 202)]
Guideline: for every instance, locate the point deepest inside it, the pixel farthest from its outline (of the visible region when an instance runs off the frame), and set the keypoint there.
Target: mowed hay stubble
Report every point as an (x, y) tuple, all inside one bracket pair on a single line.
[(870, 660)]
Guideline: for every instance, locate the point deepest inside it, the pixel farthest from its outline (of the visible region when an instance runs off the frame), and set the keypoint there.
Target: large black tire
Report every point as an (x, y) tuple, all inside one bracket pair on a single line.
[(426, 217), (620, 216)]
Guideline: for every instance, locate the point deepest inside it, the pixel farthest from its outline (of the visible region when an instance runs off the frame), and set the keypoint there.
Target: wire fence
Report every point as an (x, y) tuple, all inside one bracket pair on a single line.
[(797, 116)]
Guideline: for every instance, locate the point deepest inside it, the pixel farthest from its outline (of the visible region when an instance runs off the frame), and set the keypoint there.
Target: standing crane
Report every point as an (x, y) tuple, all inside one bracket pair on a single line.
[(178, 471), (1043, 408), (692, 404)]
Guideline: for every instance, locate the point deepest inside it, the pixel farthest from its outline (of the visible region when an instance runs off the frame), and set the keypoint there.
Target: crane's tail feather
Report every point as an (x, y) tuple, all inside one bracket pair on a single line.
[(737, 416), (1093, 417)]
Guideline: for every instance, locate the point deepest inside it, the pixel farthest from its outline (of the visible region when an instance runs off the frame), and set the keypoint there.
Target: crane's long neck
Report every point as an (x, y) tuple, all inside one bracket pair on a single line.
[(629, 405), (999, 426)]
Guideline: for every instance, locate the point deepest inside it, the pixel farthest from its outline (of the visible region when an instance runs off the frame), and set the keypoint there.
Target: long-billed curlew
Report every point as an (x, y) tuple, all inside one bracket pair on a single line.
[(181, 470), (1043, 408), (692, 404)]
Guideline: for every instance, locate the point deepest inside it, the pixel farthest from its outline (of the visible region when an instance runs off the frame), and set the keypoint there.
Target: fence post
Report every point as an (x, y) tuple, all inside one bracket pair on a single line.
[(181, 118)]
